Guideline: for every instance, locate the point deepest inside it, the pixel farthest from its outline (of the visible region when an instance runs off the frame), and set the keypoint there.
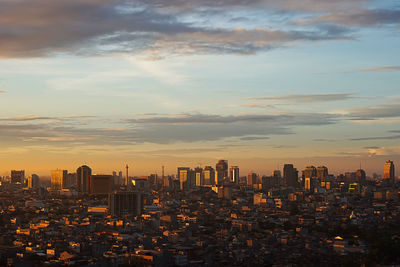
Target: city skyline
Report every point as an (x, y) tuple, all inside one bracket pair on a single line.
[(172, 170), (153, 84)]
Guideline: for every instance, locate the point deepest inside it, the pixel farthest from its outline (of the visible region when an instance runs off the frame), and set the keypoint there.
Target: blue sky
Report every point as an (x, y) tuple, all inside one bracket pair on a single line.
[(174, 82)]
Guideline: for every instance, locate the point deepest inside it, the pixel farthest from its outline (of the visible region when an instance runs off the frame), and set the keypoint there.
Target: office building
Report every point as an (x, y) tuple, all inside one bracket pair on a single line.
[(199, 179), (33, 181), (310, 172), (57, 179), (100, 184), (234, 174), (186, 178), (290, 175), (361, 176), (209, 175), (251, 179), (125, 203), (17, 177), (322, 173), (221, 171), (388, 171), (82, 178)]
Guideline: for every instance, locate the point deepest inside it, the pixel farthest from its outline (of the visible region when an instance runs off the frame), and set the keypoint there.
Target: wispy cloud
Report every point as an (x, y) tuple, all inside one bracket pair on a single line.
[(393, 137), (306, 98), (375, 112), (381, 69)]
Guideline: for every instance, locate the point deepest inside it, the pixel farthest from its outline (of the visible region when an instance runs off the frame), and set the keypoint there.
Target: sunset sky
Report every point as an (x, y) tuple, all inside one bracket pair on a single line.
[(187, 82)]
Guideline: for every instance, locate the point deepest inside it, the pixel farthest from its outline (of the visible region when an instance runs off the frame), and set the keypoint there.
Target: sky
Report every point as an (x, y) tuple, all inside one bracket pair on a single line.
[(186, 82)]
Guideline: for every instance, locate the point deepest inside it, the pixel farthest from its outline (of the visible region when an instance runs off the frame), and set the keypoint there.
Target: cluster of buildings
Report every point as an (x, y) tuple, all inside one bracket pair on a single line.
[(201, 216)]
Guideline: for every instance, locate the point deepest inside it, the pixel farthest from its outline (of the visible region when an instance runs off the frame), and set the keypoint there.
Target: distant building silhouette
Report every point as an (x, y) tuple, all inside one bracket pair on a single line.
[(251, 179), (100, 184), (221, 171), (234, 174), (82, 178), (388, 171), (17, 176), (57, 179), (209, 175), (290, 175), (33, 181)]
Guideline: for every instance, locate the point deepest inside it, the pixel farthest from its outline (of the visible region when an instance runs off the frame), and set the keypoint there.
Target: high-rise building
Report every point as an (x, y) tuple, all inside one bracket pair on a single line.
[(57, 179), (82, 174), (388, 171), (251, 179), (70, 181), (221, 171), (186, 178), (361, 176), (234, 174), (100, 184), (322, 173), (33, 181), (209, 175), (199, 179), (310, 172), (290, 175), (17, 176), (125, 203)]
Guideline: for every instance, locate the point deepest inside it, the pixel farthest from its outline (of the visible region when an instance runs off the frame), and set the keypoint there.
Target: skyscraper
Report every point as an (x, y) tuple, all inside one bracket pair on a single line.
[(57, 179), (221, 171), (199, 179), (100, 184), (290, 175), (234, 174), (83, 173), (322, 173), (209, 175), (251, 179), (360, 176), (17, 176), (33, 181), (388, 171), (310, 172), (186, 178)]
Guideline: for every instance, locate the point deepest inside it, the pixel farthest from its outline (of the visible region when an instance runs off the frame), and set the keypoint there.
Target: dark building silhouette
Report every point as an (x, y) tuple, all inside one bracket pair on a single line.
[(82, 178), (361, 176), (17, 176), (100, 184), (221, 171), (290, 175)]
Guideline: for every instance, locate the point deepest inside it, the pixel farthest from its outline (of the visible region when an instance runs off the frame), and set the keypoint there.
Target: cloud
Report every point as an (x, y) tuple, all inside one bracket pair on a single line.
[(394, 137), (2, 92), (152, 28), (375, 112), (381, 69), (362, 17), (26, 118), (307, 98), (174, 128), (286, 119)]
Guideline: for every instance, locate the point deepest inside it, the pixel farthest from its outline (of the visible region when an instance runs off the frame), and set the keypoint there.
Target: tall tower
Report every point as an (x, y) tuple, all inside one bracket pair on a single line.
[(127, 175), (388, 171), (221, 171), (82, 178), (290, 175)]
